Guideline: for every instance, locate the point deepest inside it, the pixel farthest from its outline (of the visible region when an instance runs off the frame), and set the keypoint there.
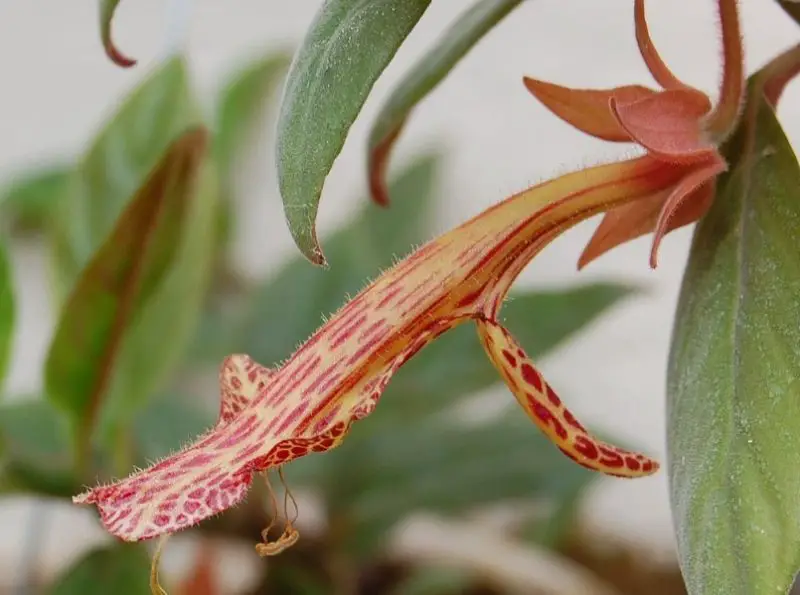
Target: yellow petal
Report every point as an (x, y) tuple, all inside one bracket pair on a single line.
[(547, 411)]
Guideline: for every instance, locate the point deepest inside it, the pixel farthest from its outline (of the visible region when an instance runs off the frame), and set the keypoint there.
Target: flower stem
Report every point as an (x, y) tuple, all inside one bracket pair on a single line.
[(722, 120), (779, 72)]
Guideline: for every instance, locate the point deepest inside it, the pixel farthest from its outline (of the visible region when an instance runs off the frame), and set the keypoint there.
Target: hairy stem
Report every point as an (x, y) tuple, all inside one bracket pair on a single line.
[(779, 72), (722, 120)]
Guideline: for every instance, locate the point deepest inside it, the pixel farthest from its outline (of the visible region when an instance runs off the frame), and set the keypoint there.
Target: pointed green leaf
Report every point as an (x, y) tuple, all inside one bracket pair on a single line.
[(241, 102), (7, 310), (35, 453), (107, 9), (424, 76), (116, 165), (347, 47), (127, 272), (122, 569), (30, 200), (734, 375)]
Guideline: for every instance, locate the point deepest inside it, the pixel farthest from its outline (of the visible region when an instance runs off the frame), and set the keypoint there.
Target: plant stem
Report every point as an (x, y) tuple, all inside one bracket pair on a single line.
[(780, 70)]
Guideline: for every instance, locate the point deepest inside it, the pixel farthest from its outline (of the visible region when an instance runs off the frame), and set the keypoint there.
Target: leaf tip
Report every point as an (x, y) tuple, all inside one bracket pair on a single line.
[(378, 161), (107, 11)]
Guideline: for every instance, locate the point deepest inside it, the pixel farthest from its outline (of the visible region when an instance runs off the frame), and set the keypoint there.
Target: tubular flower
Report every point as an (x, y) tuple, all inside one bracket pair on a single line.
[(675, 125), (269, 417)]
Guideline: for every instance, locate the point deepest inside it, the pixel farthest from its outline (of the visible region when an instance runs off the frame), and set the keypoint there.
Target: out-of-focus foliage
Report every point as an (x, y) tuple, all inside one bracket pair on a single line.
[(134, 245), (7, 309), (116, 298), (122, 569)]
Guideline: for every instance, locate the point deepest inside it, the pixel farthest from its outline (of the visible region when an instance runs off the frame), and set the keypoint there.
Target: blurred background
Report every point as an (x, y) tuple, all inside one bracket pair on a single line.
[(414, 504)]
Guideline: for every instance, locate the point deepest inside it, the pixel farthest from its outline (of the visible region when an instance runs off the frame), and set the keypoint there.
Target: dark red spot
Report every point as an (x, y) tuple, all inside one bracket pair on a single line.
[(543, 413), (299, 451), (531, 376), (161, 520), (195, 494), (552, 396), (181, 519), (647, 466), (512, 361), (211, 499), (282, 455), (586, 447), (632, 464), (611, 458)]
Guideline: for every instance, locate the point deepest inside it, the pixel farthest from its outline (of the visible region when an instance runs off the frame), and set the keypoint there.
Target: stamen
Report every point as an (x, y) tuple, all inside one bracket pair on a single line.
[(722, 120), (660, 71), (155, 586), (287, 495), (290, 534), (273, 504)]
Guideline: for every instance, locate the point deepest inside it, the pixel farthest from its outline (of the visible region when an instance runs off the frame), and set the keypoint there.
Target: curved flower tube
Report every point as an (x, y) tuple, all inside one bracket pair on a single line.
[(676, 125), (269, 417)]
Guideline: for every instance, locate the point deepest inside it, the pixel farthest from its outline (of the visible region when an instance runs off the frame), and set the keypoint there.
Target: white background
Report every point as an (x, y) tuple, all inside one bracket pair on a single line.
[(57, 87)]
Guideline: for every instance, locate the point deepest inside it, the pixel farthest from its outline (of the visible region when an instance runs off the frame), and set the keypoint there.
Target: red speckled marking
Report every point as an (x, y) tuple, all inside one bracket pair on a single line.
[(267, 418), (546, 409)]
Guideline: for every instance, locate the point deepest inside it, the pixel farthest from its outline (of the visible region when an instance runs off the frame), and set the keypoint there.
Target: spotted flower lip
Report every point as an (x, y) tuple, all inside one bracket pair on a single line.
[(675, 125), (269, 417)]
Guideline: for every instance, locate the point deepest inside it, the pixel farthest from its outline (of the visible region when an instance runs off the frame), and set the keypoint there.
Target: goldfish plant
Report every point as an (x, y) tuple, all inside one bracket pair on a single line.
[(733, 416)]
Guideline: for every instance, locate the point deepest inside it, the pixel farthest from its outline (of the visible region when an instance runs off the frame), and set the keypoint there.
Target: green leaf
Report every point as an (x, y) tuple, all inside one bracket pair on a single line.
[(436, 580), (116, 165), (30, 201), (122, 569), (241, 102), (734, 374), (270, 331), (423, 77), (166, 425), (377, 479), (7, 310), (347, 47), (107, 9), (35, 449), (456, 365), (129, 272)]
